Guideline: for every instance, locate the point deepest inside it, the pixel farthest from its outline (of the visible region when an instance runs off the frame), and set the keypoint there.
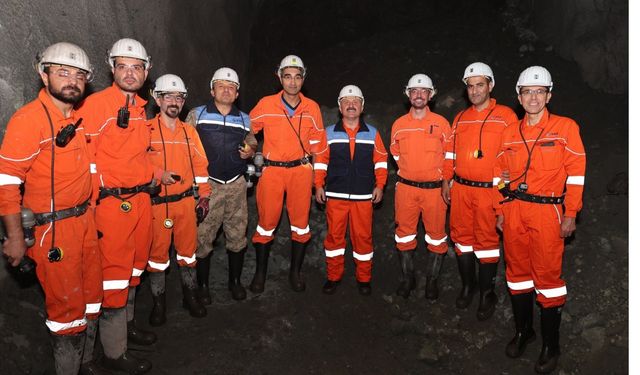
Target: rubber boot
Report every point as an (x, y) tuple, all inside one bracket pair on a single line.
[(136, 335), (236, 261), (113, 336), (297, 258), (158, 315), (203, 266), (262, 260), (89, 366), (330, 286), (433, 271), (67, 352), (189, 299), (550, 326), (467, 269), (523, 316), (408, 282), (488, 297), (364, 288)]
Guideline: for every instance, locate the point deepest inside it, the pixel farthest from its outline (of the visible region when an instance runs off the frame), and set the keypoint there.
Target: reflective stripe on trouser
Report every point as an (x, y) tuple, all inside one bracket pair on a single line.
[(410, 203), (473, 222), (274, 183), (72, 286), (183, 215), (227, 207), (125, 245), (358, 214), (533, 251)]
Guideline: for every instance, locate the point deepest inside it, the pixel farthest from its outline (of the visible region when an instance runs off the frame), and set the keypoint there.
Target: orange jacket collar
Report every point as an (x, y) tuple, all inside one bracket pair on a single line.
[(55, 112)]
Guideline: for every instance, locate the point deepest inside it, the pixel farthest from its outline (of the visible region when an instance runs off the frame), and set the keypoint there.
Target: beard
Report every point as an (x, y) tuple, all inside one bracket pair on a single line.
[(172, 111), (67, 94)]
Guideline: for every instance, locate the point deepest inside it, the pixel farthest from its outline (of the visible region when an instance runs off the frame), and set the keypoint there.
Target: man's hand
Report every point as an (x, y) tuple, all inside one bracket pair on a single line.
[(167, 179), (499, 222), (14, 248), (567, 227), (320, 196), (202, 209), (376, 197), (446, 191), (246, 152)]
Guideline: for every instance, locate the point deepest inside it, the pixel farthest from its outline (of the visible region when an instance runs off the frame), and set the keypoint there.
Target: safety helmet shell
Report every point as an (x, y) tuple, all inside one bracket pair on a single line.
[(292, 61), (128, 47), (420, 81), (64, 53), (478, 69), (350, 90), (534, 76), (225, 74), (169, 83)]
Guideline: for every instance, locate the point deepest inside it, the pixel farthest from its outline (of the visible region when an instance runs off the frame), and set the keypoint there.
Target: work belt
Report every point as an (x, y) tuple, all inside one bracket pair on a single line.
[(286, 164), (171, 198), (516, 194), (48, 217), (421, 185), (117, 192), (463, 181)]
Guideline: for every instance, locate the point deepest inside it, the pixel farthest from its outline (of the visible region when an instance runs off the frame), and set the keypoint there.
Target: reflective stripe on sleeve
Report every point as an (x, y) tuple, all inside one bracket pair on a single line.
[(575, 180)]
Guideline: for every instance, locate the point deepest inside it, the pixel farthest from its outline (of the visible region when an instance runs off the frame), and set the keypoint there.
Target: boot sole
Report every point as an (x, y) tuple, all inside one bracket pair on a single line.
[(524, 347)]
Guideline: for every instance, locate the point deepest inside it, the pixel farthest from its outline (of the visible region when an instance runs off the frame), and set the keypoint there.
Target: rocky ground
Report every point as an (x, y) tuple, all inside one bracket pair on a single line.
[(282, 332)]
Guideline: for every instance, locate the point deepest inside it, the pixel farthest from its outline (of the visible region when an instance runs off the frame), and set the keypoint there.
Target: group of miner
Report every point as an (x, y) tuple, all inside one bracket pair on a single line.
[(105, 192)]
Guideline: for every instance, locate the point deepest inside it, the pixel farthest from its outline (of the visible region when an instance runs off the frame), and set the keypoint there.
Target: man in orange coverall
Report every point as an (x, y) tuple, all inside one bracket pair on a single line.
[(293, 131), (176, 149), (417, 145), (545, 160), (471, 154), (120, 136), (354, 167), (66, 250)]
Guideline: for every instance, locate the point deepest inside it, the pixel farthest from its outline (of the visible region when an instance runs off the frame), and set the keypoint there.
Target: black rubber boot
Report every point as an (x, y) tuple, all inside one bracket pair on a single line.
[(203, 265), (364, 288), (408, 282), (67, 352), (127, 363), (189, 299), (488, 297), (113, 335), (236, 261), (467, 269), (297, 258), (550, 326), (262, 260), (523, 315), (158, 314), (139, 336), (330, 287), (433, 271)]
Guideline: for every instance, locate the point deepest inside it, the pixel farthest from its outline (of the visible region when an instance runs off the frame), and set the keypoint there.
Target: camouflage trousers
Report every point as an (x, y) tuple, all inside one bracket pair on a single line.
[(227, 207)]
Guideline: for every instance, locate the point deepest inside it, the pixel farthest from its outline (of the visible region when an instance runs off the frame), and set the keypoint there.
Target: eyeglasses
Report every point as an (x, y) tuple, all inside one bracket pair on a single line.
[(80, 75), (138, 68), (536, 92), (178, 98)]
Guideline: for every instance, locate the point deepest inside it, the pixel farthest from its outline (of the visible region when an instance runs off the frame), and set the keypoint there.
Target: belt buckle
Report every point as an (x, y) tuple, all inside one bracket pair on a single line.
[(304, 161)]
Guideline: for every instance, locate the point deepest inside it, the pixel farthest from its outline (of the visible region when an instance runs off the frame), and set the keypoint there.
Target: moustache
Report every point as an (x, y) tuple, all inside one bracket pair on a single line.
[(173, 107), (72, 88)]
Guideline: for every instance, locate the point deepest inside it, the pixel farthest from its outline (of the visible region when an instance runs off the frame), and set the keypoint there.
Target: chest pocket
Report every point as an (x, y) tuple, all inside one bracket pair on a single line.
[(69, 159), (551, 154)]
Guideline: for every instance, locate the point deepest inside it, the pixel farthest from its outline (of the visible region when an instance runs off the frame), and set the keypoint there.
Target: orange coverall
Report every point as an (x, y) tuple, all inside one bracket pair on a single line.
[(356, 211), (184, 160), (417, 146), (472, 219), (121, 161), (72, 286), (284, 139), (532, 244)]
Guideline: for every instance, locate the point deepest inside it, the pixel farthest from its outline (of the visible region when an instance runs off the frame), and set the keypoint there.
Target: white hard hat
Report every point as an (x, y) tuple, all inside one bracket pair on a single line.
[(65, 54), (292, 61), (420, 81), (127, 47), (478, 69), (350, 90), (169, 83), (225, 74), (534, 76)]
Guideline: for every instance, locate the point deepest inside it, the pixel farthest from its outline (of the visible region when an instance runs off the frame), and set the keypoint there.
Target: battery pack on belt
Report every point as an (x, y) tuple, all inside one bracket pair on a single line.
[(421, 185), (537, 198), (171, 198), (463, 181), (286, 164), (117, 192), (48, 217)]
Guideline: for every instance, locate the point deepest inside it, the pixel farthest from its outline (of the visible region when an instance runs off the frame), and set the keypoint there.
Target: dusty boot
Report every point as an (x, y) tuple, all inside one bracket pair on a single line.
[(364, 288), (523, 316), (262, 260), (189, 300), (236, 261), (550, 326), (89, 366), (297, 258), (488, 297), (67, 352), (408, 282), (467, 269), (113, 336), (134, 334), (433, 271), (203, 265), (158, 315), (330, 286)]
